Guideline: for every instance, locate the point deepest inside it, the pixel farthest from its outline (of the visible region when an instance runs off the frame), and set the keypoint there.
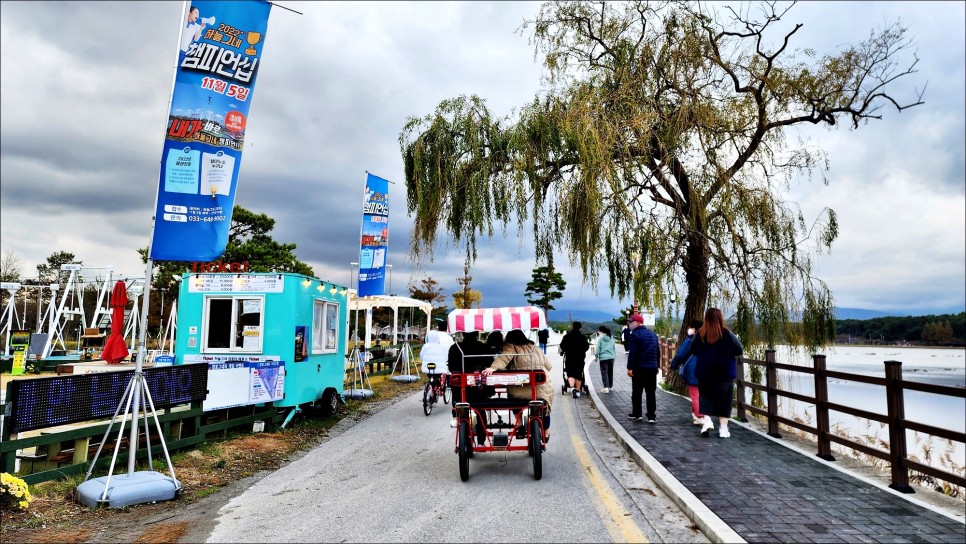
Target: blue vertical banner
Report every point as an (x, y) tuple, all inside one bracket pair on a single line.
[(375, 237), (221, 48)]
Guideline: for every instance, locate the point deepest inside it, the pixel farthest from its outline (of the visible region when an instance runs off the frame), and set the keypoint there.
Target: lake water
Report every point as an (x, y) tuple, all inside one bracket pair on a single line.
[(934, 366)]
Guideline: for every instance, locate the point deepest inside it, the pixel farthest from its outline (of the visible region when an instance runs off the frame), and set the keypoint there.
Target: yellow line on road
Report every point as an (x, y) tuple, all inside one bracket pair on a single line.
[(626, 529)]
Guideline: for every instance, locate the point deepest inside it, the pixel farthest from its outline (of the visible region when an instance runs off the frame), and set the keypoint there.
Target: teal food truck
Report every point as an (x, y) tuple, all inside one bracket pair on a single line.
[(268, 338)]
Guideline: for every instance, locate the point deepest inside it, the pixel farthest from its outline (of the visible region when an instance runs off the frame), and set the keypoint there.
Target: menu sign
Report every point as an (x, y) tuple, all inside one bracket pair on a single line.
[(235, 283)]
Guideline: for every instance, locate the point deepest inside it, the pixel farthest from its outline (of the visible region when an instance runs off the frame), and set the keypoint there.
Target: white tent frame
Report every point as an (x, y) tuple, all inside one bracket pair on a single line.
[(10, 318), (77, 280), (386, 301)]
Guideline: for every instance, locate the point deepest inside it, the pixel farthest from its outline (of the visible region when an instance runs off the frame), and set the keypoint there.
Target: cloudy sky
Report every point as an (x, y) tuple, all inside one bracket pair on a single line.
[(85, 89)]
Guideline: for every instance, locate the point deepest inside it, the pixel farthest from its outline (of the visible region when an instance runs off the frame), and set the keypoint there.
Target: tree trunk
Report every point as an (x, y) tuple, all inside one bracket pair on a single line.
[(696, 276)]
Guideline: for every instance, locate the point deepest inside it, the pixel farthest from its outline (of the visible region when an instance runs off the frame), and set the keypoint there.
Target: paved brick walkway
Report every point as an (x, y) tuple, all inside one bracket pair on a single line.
[(767, 492)]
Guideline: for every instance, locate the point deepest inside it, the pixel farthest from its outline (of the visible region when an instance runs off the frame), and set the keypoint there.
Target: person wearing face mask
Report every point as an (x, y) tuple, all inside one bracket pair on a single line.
[(685, 367)]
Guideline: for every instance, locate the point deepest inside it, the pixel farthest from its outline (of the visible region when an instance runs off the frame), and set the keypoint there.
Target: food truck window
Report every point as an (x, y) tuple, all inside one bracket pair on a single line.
[(233, 324), (325, 327)]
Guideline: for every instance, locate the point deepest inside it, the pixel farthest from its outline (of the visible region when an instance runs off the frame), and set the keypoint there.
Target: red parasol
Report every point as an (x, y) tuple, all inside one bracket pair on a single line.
[(115, 350)]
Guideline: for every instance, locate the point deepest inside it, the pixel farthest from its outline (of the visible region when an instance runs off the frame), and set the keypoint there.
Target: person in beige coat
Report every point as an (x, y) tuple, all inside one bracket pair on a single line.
[(519, 353)]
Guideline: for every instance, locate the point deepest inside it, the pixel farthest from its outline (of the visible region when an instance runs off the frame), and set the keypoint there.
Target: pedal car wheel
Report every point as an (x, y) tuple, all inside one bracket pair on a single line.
[(447, 394), (428, 399), (463, 448), (536, 449)]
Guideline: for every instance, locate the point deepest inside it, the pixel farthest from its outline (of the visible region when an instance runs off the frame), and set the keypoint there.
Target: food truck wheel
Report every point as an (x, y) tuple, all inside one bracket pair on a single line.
[(330, 402)]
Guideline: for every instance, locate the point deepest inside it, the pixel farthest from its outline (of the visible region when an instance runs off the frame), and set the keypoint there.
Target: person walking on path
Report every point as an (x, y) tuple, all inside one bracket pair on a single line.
[(715, 349), (574, 346), (685, 367), (625, 337), (605, 353), (543, 336), (643, 355)]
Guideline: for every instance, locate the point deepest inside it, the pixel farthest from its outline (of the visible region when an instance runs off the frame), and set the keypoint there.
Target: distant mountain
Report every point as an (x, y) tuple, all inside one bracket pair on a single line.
[(590, 316), (859, 313), (594, 316)]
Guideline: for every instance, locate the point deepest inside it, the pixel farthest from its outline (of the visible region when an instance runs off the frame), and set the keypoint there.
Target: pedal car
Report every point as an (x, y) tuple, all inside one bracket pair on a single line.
[(499, 424)]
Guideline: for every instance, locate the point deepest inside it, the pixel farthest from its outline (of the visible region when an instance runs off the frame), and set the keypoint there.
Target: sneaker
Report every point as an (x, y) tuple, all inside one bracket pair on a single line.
[(605, 390), (632, 417), (723, 433), (452, 423), (651, 420), (576, 393), (708, 427), (696, 420)]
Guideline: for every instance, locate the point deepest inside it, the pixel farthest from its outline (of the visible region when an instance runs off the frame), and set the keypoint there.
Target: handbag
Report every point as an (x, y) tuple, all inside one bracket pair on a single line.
[(681, 368)]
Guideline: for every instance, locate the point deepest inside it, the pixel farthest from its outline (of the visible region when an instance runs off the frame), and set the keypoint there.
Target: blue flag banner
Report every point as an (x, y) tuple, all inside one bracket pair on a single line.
[(375, 237), (221, 48)]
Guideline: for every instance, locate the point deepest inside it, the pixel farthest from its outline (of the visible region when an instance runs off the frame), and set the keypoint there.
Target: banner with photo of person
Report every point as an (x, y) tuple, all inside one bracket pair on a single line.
[(375, 237), (218, 62)]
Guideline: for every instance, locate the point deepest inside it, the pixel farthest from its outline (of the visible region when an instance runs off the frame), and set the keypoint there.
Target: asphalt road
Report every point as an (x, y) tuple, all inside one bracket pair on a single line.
[(394, 478)]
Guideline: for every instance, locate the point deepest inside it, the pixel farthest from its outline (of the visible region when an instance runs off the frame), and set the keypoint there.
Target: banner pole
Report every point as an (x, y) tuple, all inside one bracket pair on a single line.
[(148, 271), (145, 303)]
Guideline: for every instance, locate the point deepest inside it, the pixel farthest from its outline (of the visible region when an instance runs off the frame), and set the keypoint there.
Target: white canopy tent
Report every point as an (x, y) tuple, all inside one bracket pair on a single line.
[(386, 301)]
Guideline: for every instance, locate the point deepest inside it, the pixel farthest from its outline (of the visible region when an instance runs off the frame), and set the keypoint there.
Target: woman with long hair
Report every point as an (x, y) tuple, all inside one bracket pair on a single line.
[(715, 349)]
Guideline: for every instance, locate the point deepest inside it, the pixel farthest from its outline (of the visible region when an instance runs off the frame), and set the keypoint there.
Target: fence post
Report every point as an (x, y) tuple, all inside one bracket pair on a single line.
[(663, 344), (821, 408), (8, 461), (897, 429), (771, 384), (740, 388)]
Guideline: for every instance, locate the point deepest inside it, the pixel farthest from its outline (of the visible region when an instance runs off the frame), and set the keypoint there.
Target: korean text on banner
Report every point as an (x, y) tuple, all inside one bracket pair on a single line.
[(221, 48), (375, 237)]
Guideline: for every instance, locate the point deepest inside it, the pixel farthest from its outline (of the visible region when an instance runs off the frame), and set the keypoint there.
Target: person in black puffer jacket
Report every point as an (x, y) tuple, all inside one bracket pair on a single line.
[(715, 349), (574, 346)]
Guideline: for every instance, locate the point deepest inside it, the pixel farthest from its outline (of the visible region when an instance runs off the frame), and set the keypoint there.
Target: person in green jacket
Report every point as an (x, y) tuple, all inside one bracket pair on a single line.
[(605, 352)]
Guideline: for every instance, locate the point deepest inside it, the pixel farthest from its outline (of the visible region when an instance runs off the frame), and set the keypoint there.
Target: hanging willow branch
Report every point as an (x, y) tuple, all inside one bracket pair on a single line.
[(662, 136)]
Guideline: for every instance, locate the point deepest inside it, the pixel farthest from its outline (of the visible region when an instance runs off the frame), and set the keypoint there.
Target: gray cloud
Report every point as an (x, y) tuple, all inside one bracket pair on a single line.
[(85, 89)]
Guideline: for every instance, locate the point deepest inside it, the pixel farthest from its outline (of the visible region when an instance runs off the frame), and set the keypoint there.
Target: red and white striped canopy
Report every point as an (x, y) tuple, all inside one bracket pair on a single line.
[(497, 319)]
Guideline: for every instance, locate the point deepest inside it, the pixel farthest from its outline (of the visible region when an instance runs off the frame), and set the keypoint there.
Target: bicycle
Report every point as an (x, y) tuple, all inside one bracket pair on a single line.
[(436, 387)]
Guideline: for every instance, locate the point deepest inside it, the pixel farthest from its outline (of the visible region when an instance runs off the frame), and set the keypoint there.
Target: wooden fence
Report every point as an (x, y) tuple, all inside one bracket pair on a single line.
[(895, 418), (64, 452), (60, 452), (895, 386)]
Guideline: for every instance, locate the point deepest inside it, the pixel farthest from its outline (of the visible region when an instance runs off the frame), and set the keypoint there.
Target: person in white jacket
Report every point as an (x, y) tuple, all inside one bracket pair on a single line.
[(435, 350)]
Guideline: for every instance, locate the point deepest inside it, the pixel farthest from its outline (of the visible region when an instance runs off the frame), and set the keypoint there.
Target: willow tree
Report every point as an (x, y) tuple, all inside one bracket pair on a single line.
[(661, 140)]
